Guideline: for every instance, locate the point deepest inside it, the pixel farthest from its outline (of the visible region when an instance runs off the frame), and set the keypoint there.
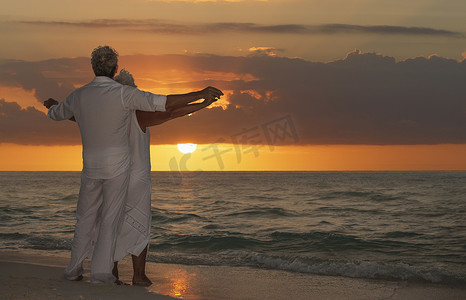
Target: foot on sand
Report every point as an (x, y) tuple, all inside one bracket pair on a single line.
[(79, 278), (119, 282), (143, 281)]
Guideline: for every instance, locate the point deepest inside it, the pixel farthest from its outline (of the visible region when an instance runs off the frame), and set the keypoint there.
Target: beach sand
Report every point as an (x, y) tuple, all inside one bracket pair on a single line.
[(36, 275)]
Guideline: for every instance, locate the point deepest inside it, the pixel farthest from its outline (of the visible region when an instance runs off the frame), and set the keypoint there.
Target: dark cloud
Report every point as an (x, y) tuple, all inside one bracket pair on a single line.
[(365, 98), (383, 29), (362, 99), (32, 127), (51, 78), (158, 26)]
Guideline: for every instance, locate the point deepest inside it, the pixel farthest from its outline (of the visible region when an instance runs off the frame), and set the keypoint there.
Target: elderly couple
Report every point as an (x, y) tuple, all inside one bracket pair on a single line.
[(113, 213)]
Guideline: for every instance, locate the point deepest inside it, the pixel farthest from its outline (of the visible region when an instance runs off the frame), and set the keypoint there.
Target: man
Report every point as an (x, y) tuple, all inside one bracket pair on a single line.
[(102, 110)]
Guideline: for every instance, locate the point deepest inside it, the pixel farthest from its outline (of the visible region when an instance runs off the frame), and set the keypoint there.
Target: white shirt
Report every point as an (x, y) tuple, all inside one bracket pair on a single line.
[(103, 111)]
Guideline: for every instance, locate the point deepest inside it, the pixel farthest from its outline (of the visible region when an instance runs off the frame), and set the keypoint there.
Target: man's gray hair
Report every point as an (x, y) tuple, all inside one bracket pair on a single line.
[(125, 78), (104, 61)]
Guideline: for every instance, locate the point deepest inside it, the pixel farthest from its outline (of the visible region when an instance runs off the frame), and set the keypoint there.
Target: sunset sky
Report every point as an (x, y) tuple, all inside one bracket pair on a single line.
[(309, 84)]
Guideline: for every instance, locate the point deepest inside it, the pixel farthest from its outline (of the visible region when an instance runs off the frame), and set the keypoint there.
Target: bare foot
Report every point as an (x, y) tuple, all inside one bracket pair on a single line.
[(119, 282), (143, 281), (79, 278), (139, 267)]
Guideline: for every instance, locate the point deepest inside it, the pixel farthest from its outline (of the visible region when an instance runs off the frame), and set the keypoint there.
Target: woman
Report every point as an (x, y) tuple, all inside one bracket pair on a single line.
[(134, 234)]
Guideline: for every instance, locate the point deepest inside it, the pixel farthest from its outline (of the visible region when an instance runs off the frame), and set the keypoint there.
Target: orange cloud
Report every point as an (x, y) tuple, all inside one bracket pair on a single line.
[(269, 51), (21, 96)]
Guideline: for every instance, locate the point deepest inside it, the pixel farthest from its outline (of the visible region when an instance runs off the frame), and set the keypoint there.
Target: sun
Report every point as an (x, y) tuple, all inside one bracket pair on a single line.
[(187, 148)]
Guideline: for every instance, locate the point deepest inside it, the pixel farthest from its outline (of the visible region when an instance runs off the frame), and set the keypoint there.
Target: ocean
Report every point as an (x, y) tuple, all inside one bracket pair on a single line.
[(408, 226)]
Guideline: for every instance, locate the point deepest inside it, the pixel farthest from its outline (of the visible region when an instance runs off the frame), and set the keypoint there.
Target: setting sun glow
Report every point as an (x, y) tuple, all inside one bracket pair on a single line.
[(187, 148)]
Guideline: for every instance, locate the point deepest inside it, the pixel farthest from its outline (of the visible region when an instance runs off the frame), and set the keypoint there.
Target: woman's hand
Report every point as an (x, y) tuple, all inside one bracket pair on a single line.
[(211, 94)]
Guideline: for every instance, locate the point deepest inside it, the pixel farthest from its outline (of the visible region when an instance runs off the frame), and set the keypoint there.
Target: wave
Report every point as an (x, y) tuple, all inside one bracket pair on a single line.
[(346, 194), (362, 269), (362, 210), (195, 243), (333, 241), (48, 243), (264, 197), (263, 211), (40, 242), (276, 241), (402, 234), (13, 236), (162, 216), (371, 196), (352, 269), (71, 197)]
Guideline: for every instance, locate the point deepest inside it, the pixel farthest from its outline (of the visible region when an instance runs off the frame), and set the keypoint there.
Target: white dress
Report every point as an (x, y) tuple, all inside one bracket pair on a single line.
[(134, 233)]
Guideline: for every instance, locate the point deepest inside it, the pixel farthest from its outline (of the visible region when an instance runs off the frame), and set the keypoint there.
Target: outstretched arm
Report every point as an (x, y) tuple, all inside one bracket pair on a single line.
[(51, 102), (147, 118), (177, 101)]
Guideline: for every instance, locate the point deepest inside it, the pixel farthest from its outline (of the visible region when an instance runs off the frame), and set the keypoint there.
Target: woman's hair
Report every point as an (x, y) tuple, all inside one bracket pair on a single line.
[(125, 78), (104, 61)]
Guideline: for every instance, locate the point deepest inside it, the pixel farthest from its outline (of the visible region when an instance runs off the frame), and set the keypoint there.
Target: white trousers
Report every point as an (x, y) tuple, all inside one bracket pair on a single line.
[(99, 213)]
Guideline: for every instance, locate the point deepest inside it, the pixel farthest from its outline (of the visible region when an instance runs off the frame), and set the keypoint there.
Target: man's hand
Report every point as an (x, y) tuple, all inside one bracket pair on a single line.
[(48, 103), (211, 94)]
